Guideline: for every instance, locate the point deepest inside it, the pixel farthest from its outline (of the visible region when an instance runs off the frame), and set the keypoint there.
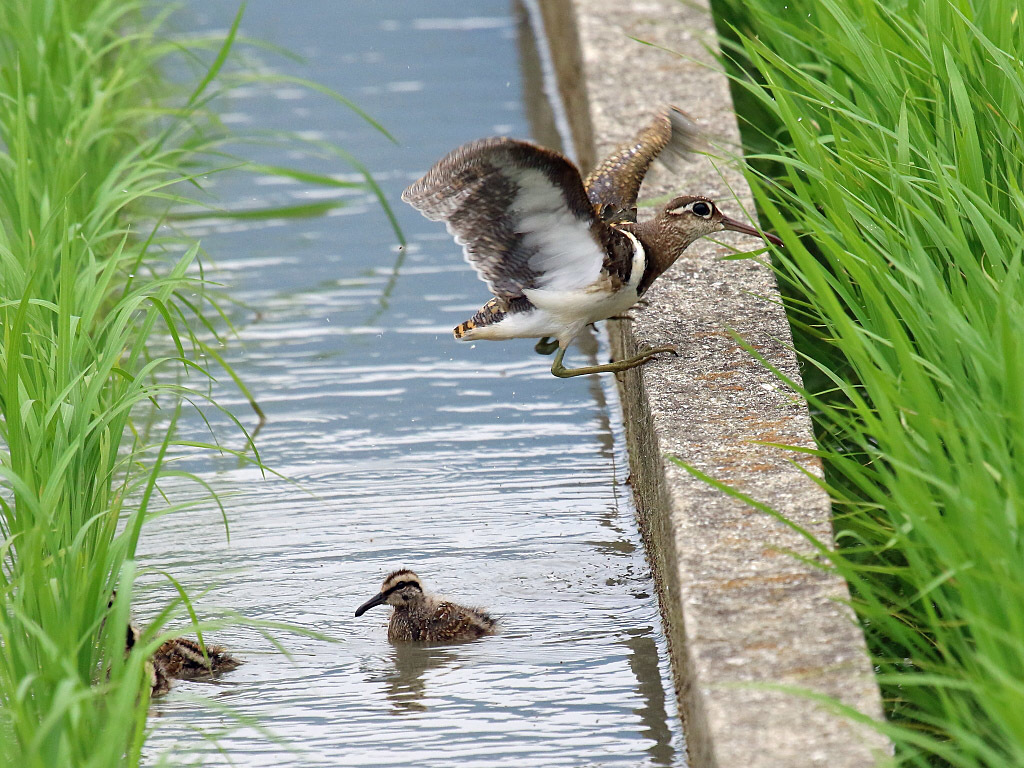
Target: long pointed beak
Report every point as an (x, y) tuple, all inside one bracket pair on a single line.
[(378, 599), (746, 229)]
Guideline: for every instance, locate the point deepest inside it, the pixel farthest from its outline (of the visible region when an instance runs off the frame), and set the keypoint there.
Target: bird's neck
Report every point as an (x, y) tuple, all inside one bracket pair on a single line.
[(663, 246), (411, 621), (417, 610)]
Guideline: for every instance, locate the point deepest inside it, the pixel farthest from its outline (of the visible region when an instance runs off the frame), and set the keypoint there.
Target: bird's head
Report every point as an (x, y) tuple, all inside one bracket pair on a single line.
[(688, 218), (399, 589)]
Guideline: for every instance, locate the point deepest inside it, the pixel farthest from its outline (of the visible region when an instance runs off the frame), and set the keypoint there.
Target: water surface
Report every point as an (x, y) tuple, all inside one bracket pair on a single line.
[(501, 485)]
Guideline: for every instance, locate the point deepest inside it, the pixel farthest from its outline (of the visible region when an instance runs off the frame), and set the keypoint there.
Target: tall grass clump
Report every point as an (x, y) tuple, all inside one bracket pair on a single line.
[(81, 295), (92, 158), (888, 151)]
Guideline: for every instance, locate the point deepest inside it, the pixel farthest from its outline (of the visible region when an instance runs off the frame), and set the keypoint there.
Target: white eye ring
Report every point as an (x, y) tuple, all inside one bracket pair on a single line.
[(705, 204), (689, 207)]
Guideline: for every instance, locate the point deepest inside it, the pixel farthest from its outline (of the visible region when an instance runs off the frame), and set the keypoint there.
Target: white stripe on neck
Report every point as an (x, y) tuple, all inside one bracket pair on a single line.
[(639, 260)]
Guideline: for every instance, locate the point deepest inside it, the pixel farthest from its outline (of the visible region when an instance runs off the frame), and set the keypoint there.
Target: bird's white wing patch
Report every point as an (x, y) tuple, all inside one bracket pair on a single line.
[(567, 257), (520, 212)]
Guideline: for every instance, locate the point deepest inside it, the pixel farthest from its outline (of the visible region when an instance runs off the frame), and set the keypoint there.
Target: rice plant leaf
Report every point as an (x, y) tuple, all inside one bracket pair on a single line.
[(221, 57), (301, 211)]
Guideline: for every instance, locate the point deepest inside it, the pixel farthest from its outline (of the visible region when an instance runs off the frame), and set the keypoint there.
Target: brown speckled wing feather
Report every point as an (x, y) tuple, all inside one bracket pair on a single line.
[(183, 658), (613, 186), (520, 212), (457, 623)]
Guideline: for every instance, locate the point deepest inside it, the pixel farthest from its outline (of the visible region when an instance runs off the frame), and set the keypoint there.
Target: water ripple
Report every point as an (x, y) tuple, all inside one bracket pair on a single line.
[(499, 484)]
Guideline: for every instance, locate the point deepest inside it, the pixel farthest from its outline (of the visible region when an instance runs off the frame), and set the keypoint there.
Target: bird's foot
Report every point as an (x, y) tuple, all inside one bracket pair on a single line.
[(640, 358), (649, 351), (545, 346)]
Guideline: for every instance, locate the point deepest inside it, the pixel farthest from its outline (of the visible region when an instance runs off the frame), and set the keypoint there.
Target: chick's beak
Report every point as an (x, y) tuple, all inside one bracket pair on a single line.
[(378, 599), (738, 226)]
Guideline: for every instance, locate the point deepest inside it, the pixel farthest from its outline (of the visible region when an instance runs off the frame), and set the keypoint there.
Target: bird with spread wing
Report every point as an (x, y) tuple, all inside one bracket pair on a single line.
[(558, 252)]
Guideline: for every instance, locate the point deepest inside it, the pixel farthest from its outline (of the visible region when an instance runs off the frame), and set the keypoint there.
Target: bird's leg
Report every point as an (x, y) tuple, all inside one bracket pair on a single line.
[(545, 346), (562, 372)]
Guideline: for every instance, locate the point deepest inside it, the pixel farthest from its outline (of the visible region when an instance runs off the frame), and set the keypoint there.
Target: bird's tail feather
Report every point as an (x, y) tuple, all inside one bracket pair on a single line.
[(494, 311), (489, 314)]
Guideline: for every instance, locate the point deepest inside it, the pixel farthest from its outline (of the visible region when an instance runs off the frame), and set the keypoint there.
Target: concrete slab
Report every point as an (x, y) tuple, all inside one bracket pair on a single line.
[(741, 613)]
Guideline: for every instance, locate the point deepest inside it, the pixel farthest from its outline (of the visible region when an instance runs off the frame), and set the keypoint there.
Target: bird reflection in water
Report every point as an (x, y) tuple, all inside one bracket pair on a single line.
[(406, 683)]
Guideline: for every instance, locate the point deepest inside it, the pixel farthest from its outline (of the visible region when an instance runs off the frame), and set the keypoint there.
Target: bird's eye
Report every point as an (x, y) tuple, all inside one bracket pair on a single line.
[(702, 209)]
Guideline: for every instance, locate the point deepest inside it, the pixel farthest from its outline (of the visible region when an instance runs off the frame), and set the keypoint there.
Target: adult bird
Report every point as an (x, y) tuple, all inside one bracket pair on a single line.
[(558, 252)]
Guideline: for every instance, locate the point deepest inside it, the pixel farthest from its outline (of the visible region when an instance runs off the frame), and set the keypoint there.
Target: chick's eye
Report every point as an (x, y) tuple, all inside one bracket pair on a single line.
[(701, 209)]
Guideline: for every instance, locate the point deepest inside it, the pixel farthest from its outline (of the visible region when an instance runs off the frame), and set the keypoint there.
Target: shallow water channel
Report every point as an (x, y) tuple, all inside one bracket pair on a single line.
[(501, 485)]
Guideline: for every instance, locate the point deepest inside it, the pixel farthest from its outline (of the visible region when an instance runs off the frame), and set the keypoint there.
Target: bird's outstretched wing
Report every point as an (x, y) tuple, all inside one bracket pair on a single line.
[(520, 212), (613, 186)]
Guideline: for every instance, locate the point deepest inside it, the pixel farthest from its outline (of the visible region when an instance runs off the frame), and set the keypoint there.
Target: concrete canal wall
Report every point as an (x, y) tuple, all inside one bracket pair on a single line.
[(743, 616)]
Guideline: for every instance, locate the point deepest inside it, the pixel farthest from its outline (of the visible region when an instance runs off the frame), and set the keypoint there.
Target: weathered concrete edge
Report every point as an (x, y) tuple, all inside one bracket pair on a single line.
[(741, 613)]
